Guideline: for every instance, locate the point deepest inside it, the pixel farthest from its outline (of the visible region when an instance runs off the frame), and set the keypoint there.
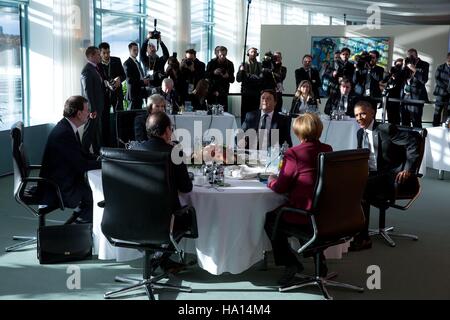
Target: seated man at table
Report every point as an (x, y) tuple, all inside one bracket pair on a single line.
[(65, 163), (159, 132), (297, 178), (389, 148), (344, 100), (266, 119), (155, 103)]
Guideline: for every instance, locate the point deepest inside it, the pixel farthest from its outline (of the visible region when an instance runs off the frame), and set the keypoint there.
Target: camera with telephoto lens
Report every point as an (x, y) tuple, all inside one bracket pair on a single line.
[(362, 60), (410, 60), (155, 34), (267, 62)]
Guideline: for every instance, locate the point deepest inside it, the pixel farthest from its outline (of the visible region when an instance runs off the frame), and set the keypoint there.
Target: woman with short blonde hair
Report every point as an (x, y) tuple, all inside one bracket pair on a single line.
[(297, 178), (308, 127)]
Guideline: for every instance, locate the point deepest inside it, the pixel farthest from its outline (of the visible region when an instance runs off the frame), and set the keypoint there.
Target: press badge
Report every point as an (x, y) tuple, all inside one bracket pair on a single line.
[(367, 92)]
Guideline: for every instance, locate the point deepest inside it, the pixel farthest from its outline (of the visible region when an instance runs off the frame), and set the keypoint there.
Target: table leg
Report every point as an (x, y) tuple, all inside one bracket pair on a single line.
[(441, 174)]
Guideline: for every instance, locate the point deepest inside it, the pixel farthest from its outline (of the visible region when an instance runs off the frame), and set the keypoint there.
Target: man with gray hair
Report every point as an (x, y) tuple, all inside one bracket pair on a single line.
[(156, 103), (167, 91)]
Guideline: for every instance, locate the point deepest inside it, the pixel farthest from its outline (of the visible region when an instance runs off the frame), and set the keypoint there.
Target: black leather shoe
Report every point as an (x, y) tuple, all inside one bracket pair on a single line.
[(173, 267), (72, 218), (289, 274), (80, 220), (360, 244)]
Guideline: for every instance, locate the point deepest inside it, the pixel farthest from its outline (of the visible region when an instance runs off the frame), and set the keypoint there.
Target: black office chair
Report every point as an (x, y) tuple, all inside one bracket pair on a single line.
[(125, 126), (408, 192), (25, 187), (140, 211), (336, 214)]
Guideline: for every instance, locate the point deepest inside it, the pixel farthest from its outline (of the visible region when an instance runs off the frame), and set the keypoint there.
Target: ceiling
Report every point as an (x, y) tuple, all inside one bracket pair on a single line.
[(430, 12)]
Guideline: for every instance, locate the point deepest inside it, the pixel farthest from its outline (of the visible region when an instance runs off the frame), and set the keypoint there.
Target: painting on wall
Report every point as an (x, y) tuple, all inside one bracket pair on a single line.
[(323, 48)]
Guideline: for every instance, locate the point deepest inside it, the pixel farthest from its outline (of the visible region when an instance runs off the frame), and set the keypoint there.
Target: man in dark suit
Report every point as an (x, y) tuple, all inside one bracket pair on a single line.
[(93, 89), (415, 79), (307, 72), (220, 72), (159, 131), (389, 150), (65, 163), (343, 68), (153, 64), (265, 120), (442, 92), (368, 76), (114, 75), (192, 71), (136, 82), (344, 100)]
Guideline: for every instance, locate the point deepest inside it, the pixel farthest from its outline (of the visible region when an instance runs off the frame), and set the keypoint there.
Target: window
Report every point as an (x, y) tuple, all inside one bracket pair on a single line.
[(119, 22), (11, 84), (201, 28)]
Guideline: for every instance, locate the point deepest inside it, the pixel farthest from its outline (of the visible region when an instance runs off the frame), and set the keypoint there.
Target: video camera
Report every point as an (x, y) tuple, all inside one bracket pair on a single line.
[(155, 34), (362, 60), (410, 59), (267, 62)]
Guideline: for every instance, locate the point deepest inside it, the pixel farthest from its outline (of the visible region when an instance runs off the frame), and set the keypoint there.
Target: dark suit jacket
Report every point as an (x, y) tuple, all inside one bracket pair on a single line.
[(301, 74), (418, 90), (333, 103), (346, 70), (65, 163), (279, 121), (296, 104), (442, 77), (113, 70), (140, 132), (92, 88), (360, 79), (135, 86), (217, 82), (298, 176), (181, 180), (158, 66), (394, 148)]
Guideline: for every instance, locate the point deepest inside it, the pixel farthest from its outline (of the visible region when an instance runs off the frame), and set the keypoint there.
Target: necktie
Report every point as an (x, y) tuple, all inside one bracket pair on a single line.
[(264, 120), (78, 137), (140, 69), (100, 73), (365, 143)]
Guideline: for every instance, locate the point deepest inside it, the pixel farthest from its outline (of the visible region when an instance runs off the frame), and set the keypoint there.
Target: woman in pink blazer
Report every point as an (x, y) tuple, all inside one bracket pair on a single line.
[(297, 179)]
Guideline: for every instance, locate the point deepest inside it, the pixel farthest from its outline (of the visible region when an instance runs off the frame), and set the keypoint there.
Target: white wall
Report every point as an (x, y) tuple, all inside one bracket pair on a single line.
[(431, 42)]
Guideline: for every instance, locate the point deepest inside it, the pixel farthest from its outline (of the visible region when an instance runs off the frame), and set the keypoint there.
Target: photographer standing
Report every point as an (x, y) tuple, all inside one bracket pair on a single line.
[(307, 72), (368, 76), (220, 72), (250, 74), (192, 71), (415, 78), (442, 91), (279, 74), (154, 64), (343, 68), (392, 85)]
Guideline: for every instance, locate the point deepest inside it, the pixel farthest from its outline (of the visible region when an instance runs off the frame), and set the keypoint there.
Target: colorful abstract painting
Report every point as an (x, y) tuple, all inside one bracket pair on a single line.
[(323, 48)]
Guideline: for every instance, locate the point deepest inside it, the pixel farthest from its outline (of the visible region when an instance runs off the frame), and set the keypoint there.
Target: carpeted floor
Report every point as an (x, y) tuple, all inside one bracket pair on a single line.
[(412, 270)]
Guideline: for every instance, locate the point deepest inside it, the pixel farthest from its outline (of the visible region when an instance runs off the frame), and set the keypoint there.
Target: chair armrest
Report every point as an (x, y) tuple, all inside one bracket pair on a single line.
[(25, 181), (280, 213)]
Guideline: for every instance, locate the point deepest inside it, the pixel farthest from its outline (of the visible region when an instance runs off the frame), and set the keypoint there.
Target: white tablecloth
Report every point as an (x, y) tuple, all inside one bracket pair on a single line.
[(341, 135), (203, 127), (437, 148), (230, 225)]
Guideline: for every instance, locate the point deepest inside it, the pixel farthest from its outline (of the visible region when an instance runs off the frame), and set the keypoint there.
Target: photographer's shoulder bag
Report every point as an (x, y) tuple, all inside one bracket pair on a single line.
[(63, 243)]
